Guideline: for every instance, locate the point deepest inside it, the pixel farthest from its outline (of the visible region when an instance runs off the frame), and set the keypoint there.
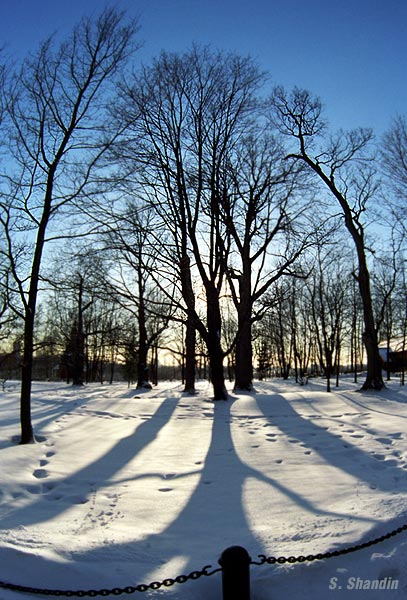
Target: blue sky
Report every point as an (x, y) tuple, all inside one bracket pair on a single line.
[(352, 53)]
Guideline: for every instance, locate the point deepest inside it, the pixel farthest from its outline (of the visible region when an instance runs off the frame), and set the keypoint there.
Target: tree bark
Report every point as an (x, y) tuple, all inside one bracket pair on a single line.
[(244, 355), (78, 341), (244, 352), (190, 336), (142, 354), (216, 354), (374, 378), (27, 434), (190, 343)]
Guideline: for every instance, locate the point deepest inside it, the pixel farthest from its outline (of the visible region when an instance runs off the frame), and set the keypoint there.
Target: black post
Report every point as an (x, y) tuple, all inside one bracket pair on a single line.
[(235, 563)]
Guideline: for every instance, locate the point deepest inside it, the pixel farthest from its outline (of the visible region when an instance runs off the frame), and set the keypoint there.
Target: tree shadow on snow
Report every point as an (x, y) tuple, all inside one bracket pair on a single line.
[(44, 508), (333, 448), (215, 515)]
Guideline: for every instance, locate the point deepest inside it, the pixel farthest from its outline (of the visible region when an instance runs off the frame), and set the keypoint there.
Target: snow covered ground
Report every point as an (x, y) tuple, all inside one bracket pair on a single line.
[(124, 488)]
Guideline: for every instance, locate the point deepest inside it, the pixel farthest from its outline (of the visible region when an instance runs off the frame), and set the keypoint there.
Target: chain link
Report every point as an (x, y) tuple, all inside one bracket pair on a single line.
[(205, 571), (155, 585), (281, 560)]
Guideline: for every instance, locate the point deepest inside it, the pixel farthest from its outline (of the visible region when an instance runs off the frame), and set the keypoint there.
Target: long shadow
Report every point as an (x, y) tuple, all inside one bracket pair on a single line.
[(215, 516), (47, 411), (98, 472), (345, 456), (359, 402)]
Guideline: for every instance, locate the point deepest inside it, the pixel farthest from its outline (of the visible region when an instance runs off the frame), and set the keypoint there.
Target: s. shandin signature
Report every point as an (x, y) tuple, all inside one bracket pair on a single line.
[(357, 583)]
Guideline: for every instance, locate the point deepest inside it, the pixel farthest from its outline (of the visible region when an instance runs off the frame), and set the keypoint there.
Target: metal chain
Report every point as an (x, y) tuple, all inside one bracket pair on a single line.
[(155, 585), (271, 560)]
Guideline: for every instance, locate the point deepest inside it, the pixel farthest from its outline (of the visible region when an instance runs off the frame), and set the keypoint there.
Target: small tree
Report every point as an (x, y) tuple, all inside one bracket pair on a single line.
[(131, 241), (327, 292)]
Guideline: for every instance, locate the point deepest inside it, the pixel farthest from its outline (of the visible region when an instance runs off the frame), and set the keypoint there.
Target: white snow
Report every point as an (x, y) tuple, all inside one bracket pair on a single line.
[(122, 490)]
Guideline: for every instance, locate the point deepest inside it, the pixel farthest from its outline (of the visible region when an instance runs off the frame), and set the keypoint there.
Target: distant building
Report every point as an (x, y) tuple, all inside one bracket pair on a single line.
[(394, 355)]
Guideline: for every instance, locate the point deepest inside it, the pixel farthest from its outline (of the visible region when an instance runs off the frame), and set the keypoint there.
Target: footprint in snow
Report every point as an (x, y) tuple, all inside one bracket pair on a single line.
[(34, 489), (40, 473), (383, 440), (76, 499), (379, 456)]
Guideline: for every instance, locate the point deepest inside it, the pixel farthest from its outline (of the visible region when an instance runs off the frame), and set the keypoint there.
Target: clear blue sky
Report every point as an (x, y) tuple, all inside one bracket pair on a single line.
[(352, 53)]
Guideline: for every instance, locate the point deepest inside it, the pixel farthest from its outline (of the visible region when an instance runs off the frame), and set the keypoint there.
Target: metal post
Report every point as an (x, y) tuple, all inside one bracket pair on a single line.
[(235, 563)]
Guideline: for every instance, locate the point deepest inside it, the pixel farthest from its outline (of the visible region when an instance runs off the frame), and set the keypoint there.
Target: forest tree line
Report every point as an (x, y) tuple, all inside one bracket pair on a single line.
[(186, 208)]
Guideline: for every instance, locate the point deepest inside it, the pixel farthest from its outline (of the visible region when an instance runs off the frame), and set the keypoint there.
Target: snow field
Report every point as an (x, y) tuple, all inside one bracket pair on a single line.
[(126, 487)]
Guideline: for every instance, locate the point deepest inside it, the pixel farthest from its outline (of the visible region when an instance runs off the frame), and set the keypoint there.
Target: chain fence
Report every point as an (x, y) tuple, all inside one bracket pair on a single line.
[(271, 560), (206, 571), (155, 585)]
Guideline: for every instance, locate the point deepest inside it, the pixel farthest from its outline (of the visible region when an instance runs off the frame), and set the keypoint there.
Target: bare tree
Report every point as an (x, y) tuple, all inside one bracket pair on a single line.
[(394, 158), (262, 212), (130, 238), (188, 112), (343, 165), (82, 316), (328, 294), (60, 131)]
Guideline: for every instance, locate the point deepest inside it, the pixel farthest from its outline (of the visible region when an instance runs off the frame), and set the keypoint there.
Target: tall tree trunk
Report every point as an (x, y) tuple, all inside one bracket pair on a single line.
[(374, 379), (142, 354), (190, 343), (217, 376), (190, 335), (78, 341), (244, 352), (216, 354), (27, 434), (78, 358)]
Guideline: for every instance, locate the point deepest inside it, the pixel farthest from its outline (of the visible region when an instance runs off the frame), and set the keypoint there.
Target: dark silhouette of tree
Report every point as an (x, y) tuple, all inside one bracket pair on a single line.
[(186, 112), (393, 154), (131, 242), (327, 290), (262, 212), (343, 165), (59, 133)]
